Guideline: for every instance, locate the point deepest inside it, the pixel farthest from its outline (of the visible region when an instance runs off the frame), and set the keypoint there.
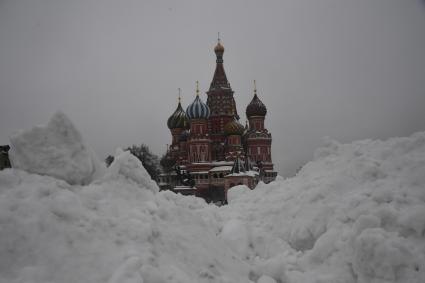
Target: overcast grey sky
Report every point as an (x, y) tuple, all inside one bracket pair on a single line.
[(348, 69)]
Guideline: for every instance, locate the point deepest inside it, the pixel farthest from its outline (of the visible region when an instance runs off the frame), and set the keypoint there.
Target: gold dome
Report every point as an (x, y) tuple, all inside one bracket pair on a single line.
[(233, 128), (219, 48)]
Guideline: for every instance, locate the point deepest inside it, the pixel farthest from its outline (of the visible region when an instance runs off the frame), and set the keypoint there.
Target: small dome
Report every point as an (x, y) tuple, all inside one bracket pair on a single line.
[(219, 48), (178, 119), (198, 109), (184, 136), (233, 128), (256, 107)]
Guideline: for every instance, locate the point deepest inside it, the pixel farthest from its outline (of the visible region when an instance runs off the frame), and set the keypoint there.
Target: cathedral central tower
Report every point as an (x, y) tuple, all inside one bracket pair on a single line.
[(222, 105)]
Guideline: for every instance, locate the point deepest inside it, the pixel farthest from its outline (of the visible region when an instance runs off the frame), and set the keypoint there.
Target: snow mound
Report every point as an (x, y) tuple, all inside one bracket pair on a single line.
[(129, 166), (109, 231), (70, 223), (56, 150), (354, 214), (236, 191)]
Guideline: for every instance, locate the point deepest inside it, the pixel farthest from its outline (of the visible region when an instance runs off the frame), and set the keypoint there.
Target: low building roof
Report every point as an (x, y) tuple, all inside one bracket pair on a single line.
[(221, 168), (246, 173), (221, 163), (181, 188)]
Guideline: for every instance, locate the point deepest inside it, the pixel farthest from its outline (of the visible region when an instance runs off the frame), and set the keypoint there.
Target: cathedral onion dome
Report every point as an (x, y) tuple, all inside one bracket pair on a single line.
[(178, 119), (184, 136), (198, 109), (256, 107), (219, 48), (233, 128)]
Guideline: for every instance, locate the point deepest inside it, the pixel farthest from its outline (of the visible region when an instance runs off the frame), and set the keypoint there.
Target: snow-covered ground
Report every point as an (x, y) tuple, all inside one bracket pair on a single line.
[(354, 214)]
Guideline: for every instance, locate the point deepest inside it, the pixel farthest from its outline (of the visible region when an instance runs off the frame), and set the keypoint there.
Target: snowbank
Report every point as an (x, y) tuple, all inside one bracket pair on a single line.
[(354, 214), (73, 224), (113, 230), (130, 167), (57, 150)]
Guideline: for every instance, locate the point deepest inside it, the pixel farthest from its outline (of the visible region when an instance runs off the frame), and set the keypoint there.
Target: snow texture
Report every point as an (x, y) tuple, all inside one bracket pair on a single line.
[(55, 150), (128, 166), (356, 213)]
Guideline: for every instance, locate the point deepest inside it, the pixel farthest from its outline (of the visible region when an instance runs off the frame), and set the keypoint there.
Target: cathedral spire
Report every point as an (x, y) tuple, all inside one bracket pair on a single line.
[(219, 50), (197, 88), (180, 98), (220, 78)]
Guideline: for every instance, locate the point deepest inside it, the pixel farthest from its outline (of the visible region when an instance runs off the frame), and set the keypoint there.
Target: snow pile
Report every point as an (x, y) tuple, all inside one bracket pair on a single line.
[(354, 214), (55, 150), (128, 166), (110, 231), (117, 229)]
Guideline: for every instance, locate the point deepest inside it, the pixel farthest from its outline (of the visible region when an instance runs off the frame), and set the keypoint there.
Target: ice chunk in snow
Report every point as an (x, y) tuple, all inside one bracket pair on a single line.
[(57, 150), (131, 167)]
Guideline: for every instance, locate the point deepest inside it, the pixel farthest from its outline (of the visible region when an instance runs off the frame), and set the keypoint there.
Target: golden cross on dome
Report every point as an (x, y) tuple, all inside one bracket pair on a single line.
[(179, 95), (255, 88), (218, 38)]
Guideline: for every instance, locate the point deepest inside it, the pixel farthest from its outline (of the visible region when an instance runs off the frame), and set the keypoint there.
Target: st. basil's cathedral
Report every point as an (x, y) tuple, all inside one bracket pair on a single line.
[(212, 147)]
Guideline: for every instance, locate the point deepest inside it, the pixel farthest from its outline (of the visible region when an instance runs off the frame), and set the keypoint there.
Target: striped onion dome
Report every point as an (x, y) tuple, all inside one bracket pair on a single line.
[(198, 109), (233, 128), (178, 119)]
